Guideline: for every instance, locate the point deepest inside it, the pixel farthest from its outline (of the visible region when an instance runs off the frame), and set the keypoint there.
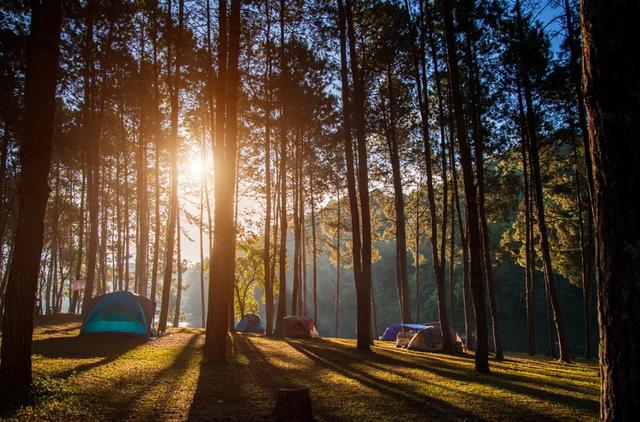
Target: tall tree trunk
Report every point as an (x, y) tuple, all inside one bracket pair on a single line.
[(356, 237), (576, 78), (203, 176), (452, 260), (119, 243), (55, 238), (611, 88), (268, 280), (176, 313), (477, 131), (417, 255), (538, 196), (303, 258), (35, 160), (93, 151), (398, 195), (225, 151), (528, 223), (337, 319), (467, 301), (104, 218), (174, 92), (156, 136), (587, 247), (314, 252), (473, 230), (295, 294), (363, 288), (436, 248), (282, 253), (584, 272), (73, 303), (142, 216)]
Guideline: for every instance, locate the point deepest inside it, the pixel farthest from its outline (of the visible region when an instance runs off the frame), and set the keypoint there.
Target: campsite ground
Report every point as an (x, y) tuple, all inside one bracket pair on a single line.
[(93, 378)]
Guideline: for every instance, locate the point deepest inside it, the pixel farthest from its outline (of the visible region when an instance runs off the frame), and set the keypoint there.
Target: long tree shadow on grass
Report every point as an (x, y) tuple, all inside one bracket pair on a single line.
[(139, 385), (245, 388), (408, 401), (341, 356), (105, 349), (241, 389)]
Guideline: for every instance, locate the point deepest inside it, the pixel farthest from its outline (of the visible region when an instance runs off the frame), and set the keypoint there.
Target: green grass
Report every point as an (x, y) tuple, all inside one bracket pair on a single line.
[(111, 378)]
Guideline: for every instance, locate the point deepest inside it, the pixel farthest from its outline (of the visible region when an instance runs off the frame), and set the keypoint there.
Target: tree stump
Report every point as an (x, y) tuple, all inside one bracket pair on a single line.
[(293, 404)]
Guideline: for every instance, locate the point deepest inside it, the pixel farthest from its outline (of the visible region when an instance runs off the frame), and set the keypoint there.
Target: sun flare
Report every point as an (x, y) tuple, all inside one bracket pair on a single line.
[(196, 168)]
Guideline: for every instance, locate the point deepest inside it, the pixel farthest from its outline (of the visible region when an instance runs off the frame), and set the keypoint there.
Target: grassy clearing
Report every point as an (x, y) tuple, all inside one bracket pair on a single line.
[(127, 379)]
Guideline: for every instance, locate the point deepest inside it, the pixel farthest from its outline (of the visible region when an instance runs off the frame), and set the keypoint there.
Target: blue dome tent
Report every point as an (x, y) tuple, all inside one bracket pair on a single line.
[(119, 313), (249, 323)]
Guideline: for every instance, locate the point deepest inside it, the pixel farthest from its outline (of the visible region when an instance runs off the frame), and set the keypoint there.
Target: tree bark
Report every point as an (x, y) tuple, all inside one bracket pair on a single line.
[(363, 288), (268, 280), (73, 303), (538, 196), (402, 281), (295, 294), (225, 151), (93, 151), (478, 138), (437, 248), (35, 161), (142, 217), (157, 149), (174, 142), (338, 265), (315, 252), (176, 313), (282, 253), (528, 223), (345, 92), (473, 230), (612, 92)]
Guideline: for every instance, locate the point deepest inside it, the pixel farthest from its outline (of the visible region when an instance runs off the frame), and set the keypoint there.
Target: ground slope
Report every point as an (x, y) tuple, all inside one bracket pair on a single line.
[(92, 378)]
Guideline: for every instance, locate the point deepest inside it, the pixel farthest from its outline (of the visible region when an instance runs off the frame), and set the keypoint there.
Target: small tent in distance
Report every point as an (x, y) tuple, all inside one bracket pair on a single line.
[(430, 340), (119, 313), (250, 323), (299, 326), (392, 330)]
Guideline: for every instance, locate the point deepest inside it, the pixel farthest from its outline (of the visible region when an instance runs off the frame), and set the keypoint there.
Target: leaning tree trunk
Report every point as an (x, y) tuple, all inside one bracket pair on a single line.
[(35, 160), (612, 99)]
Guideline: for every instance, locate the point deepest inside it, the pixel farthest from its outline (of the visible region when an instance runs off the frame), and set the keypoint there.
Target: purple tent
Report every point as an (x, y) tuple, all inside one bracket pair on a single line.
[(392, 330)]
